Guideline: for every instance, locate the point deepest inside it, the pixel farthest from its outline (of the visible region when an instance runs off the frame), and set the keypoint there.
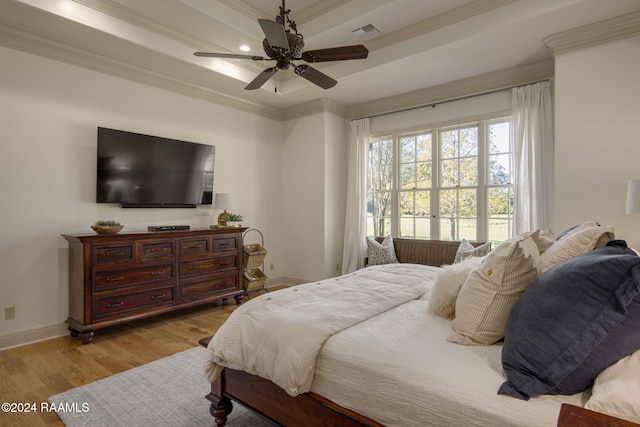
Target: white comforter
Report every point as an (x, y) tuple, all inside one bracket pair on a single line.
[(278, 336)]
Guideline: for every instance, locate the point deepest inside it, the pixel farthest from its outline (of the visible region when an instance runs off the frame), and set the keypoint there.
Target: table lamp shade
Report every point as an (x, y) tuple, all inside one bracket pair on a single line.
[(633, 196), (225, 201)]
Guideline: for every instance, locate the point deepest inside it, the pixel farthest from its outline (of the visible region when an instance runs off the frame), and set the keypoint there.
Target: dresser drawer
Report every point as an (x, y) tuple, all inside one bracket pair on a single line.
[(153, 250), (225, 243), (134, 301), (195, 247), (111, 279), (207, 266), (206, 287), (112, 254)]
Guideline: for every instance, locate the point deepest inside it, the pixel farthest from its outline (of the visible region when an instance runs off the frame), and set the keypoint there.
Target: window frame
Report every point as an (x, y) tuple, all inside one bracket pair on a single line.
[(482, 187)]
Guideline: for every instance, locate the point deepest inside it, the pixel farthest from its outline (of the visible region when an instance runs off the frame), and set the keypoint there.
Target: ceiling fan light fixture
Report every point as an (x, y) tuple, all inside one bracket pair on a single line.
[(245, 48), (285, 46)]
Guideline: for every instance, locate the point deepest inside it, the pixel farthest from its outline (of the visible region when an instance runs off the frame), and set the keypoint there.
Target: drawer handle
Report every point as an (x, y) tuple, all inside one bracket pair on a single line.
[(114, 253), (194, 289), (159, 250), (158, 296), (117, 304), (226, 263), (158, 273), (226, 283), (115, 279), (195, 246), (223, 244), (197, 267)]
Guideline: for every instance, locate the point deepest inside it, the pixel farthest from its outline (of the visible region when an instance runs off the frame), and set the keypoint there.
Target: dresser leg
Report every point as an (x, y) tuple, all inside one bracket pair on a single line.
[(238, 299), (74, 333), (86, 337)]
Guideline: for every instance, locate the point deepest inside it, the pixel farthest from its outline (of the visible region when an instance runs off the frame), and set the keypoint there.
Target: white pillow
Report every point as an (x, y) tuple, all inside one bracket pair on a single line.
[(588, 236), (447, 284), (616, 390), (381, 253)]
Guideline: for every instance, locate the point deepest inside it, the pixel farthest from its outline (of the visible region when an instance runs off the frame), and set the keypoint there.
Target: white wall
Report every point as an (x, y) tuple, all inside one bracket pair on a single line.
[(49, 112), (597, 110)]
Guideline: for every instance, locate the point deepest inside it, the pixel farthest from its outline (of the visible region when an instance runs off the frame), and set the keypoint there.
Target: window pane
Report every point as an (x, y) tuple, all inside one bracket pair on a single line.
[(423, 175), (407, 227), (408, 149), (499, 135), (423, 148), (423, 228), (408, 175), (498, 230), (499, 165), (449, 173), (458, 214), (468, 171)]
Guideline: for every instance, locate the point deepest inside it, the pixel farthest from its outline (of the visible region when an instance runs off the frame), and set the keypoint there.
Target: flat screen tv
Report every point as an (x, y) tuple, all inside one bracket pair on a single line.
[(137, 170)]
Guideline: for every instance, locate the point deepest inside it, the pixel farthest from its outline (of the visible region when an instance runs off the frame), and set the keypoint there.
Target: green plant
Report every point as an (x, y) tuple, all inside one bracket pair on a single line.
[(234, 217), (107, 223)]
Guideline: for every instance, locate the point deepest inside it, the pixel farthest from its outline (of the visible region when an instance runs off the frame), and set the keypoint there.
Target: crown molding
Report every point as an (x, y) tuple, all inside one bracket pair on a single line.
[(476, 85), (46, 47), (619, 27)]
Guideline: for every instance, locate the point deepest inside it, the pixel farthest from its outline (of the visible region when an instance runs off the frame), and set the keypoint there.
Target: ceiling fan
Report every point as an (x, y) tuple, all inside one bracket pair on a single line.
[(285, 46)]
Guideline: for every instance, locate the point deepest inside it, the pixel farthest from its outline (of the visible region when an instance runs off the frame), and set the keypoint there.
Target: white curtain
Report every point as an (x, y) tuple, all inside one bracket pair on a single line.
[(533, 149), (355, 233)]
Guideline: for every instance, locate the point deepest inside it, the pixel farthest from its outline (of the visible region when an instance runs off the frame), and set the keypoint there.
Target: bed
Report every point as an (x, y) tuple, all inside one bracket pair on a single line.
[(387, 358)]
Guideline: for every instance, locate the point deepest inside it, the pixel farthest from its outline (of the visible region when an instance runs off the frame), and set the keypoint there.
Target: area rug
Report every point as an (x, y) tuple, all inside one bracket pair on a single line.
[(167, 392)]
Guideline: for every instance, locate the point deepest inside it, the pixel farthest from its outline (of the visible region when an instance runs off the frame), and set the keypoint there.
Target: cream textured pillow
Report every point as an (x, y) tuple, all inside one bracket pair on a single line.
[(584, 238), (447, 284), (616, 390), (492, 290)]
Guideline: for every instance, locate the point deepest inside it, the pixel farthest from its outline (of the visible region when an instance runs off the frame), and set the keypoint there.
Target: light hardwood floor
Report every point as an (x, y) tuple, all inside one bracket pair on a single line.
[(31, 373)]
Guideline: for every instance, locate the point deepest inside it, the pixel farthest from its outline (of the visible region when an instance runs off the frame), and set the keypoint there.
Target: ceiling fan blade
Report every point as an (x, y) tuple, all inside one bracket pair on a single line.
[(228, 55), (261, 78), (274, 32), (336, 53), (315, 76)]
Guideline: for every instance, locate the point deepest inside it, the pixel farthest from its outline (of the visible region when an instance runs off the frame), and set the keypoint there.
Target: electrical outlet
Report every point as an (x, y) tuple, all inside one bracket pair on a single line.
[(271, 267), (337, 267), (10, 312)]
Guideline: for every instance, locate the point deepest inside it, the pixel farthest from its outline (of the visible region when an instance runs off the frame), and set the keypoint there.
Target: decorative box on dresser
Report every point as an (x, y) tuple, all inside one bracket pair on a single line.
[(115, 278)]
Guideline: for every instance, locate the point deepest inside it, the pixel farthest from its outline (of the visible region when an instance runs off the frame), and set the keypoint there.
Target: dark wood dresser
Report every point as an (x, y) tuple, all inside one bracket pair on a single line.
[(115, 278)]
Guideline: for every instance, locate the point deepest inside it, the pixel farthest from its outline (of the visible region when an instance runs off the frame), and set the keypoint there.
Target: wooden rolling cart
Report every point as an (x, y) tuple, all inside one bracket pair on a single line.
[(253, 269)]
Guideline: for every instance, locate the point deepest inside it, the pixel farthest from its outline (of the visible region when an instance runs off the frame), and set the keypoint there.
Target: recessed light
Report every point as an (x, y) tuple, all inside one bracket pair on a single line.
[(245, 48)]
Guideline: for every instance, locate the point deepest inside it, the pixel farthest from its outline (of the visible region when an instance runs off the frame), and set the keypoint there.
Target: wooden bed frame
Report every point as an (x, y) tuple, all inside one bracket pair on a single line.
[(272, 402), (311, 410)]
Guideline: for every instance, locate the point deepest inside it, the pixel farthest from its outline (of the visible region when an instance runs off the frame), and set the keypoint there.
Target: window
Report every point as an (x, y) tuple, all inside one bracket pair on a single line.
[(447, 184)]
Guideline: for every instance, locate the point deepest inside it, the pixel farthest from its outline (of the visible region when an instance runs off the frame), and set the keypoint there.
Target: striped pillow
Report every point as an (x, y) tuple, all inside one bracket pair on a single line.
[(492, 290)]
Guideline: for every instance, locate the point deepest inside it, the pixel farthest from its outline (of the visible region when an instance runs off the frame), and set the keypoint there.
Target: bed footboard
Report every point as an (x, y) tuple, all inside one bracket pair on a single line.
[(269, 400)]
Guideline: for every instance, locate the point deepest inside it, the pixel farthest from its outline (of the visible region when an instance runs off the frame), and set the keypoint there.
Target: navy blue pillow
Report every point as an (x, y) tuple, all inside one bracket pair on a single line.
[(575, 320)]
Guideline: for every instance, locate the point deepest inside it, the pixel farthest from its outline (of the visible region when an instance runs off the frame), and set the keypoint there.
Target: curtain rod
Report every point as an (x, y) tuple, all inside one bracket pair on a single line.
[(445, 101)]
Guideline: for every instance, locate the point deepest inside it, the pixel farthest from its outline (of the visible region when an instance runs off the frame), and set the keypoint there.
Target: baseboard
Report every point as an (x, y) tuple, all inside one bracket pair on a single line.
[(30, 336)]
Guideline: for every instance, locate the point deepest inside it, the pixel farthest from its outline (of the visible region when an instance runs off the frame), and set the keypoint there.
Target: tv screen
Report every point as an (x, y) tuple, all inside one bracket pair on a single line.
[(139, 170)]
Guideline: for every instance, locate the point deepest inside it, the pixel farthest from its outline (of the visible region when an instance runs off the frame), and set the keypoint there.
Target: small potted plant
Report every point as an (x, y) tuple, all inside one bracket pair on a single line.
[(234, 220), (107, 227)]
